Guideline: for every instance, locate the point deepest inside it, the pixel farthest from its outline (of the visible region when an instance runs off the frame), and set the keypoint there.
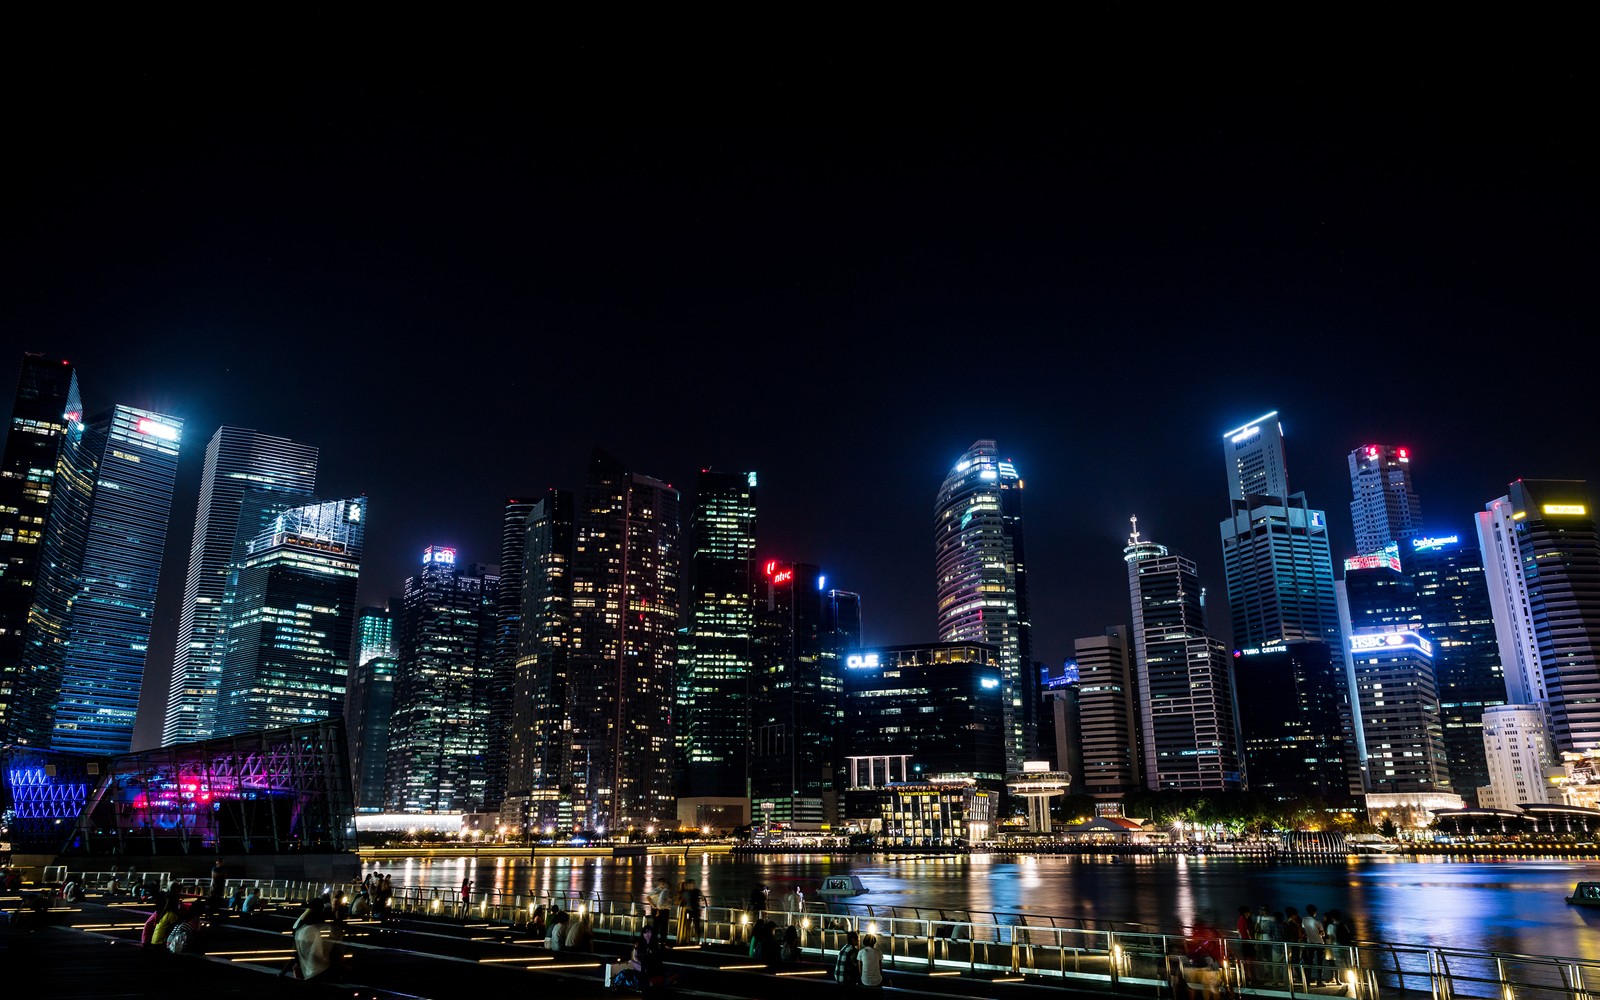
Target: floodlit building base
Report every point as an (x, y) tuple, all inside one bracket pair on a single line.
[(1409, 810)]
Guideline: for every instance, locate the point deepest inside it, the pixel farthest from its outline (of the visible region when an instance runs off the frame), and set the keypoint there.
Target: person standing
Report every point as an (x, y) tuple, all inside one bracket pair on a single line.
[(219, 885), (691, 911), (1317, 954), (466, 893), (1246, 928), (1341, 934), (660, 910)]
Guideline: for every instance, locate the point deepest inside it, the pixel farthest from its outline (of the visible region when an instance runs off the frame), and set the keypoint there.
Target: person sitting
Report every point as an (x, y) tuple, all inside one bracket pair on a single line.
[(646, 966), (167, 919), (556, 932), (250, 903), (579, 934), (314, 954)]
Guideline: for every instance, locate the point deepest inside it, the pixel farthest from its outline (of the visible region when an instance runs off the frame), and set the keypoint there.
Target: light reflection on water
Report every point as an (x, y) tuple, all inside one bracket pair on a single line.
[(1513, 906)]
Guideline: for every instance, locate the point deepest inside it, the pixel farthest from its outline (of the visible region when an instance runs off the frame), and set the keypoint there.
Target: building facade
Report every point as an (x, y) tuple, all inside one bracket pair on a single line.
[(1291, 721), (369, 702), (718, 656), (1542, 561), (626, 581), (1185, 679), (290, 617), (247, 479), (89, 629), (1402, 736), (1452, 596), (508, 631), (438, 737), (1516, 747), (794, 705), (45, 404), (1385, 507), (1108, 731), (981, 578), (539, 781), (936, 708)]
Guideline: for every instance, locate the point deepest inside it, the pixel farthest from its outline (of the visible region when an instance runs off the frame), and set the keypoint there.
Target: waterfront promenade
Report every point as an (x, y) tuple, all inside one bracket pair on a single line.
[(433, 947)]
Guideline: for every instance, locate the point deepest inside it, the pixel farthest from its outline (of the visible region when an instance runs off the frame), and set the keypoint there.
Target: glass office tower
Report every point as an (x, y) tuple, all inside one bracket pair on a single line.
[(981, 581), (1384, 507), (89, 629), (717, 661), (1542, 560), (539, 781), (1186, 700), (794, 700), (247, 479), (438, 730), (369, 701), (46, 402), (508, 629), (626, 573), (290, 614)]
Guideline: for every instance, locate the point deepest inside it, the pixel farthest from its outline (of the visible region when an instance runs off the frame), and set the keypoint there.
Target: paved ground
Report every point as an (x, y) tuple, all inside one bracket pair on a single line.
[(91, 950)]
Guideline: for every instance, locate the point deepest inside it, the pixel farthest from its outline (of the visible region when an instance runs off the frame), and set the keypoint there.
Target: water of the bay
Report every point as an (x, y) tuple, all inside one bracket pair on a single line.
[(1510, 905)]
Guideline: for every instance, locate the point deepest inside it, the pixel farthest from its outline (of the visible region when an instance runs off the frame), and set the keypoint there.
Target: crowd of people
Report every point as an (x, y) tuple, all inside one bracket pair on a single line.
[(1275, 947)]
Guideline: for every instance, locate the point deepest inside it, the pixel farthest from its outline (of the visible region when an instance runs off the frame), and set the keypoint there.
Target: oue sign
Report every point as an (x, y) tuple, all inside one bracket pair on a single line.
[(856, 661)]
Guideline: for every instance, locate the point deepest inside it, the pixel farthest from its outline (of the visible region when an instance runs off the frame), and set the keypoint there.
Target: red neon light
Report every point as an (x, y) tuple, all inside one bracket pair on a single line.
[(1402, 453), (783, 577), (772, 566), (1372, 451)]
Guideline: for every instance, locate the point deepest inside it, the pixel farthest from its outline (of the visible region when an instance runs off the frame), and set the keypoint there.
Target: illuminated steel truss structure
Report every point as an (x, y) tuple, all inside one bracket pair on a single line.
[(270, 791)]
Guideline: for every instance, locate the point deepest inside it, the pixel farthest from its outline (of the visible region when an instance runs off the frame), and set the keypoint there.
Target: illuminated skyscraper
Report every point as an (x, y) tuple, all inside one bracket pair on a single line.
[(715, 688), (1402, 737), (438, 735), (1255, 459), (508, 629), (290, 612), (1385, 507), (795, 694), (539, 782), (623, 646), (369, 701), (1107, 726), (1542, 560), (89, 629), (45, 404), (1191, 734), (249, 477), (982, 581), (1453, 599)]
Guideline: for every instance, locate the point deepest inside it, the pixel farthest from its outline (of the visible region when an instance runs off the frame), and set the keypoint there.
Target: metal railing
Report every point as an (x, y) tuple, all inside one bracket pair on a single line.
[(1016, 945)]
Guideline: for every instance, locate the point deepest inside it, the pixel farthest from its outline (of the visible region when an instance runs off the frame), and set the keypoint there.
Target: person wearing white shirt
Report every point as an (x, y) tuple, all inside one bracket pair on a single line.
[(871, 960)]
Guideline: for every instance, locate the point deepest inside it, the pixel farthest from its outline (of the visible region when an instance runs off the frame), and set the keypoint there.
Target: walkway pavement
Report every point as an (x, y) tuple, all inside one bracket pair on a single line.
[(91, 950)]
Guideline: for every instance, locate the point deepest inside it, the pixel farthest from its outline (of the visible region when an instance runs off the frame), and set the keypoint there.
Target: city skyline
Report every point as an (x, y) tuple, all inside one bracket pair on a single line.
[(841, 313)]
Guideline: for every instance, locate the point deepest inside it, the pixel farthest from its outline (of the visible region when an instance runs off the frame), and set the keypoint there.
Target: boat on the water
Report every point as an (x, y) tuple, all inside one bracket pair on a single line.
[(841, 887), (1585, 894)]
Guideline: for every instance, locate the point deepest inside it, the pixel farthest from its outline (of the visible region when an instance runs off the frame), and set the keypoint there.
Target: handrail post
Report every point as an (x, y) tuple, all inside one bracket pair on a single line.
[(1111, 957)]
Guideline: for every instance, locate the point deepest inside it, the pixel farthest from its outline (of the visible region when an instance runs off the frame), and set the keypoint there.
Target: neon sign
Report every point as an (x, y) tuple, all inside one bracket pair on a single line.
[(1431, 542), (857, 661), (1564, 508), (156, 429), (1388, 557), (783, 576), (1391, 641), (438, 554), (990, 683)]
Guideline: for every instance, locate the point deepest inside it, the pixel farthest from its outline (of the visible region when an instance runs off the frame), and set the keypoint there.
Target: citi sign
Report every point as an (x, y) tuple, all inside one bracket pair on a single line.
[(857, 661)]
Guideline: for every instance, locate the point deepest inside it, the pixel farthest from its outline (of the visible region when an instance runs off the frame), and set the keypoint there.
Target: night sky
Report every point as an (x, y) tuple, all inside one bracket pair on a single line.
[(457, 285)]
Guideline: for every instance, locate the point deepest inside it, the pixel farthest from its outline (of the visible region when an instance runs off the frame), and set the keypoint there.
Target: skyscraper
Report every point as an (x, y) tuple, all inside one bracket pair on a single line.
[(1402, 736), (1108, 724), (508, 629), (623, 644), (46, 402), (1191, 731), (1542, 560), (290, 613), (715, 689), (1452, 596), (1275, 550), (89, 628), (982, 581), (369, 701), (538, 779), (1291, 721), (1385, 507), (438, 730), (239, 462), (794, 702)]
